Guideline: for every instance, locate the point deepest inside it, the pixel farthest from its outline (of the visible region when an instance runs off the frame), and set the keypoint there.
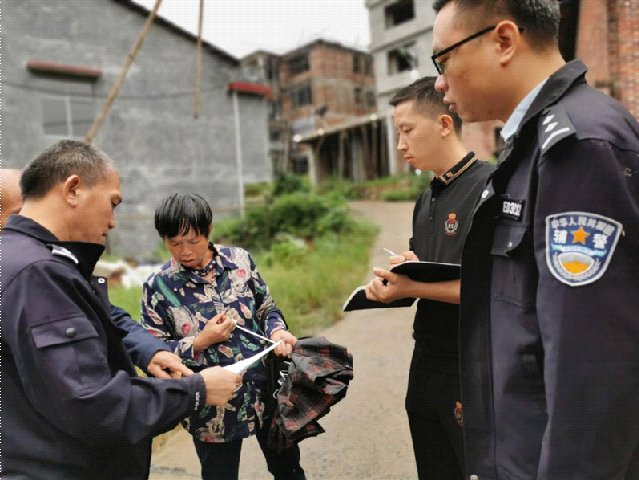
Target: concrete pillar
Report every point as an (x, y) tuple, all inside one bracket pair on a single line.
[(392, 147), (313, 166), (238, 151), (357, 167)]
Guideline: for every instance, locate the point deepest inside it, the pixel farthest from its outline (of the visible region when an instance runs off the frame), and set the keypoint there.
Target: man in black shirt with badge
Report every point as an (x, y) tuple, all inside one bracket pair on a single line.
[(429, 137)]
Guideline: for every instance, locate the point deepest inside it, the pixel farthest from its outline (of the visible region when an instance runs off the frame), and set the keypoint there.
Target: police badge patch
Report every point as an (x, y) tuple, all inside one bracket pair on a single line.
[(579, 246), (459, 414), (451, 225)]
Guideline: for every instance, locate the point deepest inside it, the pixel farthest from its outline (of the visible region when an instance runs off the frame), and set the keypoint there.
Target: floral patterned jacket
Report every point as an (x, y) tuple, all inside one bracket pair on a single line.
[(177, 303)]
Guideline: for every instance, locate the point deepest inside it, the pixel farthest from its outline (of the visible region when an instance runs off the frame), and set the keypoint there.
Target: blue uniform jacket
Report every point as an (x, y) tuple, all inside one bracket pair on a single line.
[(549, 329), (72, 405)]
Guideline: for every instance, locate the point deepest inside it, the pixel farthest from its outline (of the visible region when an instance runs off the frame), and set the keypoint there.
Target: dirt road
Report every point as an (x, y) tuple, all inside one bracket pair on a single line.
[(367, 433)]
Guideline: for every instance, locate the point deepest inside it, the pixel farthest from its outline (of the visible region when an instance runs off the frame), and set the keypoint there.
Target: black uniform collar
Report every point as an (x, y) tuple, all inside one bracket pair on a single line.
[(438, 183), (83, 255), (555, 88), (30, 227)]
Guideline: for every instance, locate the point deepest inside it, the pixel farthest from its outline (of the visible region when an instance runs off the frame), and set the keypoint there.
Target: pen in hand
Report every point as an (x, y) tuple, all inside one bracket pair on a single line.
[(390, 252)]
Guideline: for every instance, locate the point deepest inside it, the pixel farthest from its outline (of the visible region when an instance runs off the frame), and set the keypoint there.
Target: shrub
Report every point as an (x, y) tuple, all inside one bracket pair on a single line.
[(341, 188), (337, 220), (400, 195), (412, 185), (250, 231), (422, 182), (257, 189), (286, 183), (297, 213), (311, 290), (287, 250)]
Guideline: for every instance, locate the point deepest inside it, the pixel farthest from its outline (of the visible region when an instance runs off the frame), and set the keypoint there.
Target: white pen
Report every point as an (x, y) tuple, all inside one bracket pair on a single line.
[(390, 252)]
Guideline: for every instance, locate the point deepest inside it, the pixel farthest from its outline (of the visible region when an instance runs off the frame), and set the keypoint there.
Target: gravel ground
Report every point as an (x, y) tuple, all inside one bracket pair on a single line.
[(367, 434)]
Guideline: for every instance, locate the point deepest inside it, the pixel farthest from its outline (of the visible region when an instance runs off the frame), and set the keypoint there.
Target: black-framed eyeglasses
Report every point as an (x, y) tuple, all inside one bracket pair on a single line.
[(440, 66)]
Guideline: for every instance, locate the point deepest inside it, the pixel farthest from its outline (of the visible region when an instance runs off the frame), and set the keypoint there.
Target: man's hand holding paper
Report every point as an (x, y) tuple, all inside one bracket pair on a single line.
[(220, 384)]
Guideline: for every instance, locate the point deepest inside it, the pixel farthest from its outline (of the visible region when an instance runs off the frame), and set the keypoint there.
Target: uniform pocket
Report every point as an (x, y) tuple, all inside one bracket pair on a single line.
[(514, 274), (508, 239), (63, 331), (70, 350)]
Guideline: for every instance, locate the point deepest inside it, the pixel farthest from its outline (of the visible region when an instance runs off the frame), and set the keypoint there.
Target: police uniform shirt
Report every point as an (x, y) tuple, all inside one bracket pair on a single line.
[(549, 339), (72, 405), (441, 219)]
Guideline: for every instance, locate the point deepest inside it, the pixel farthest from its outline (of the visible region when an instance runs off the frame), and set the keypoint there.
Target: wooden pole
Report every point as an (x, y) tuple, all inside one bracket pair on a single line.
[(116, 87), (198, 64)]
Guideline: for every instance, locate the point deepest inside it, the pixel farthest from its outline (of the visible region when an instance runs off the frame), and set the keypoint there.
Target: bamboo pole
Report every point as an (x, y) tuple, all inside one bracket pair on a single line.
[(116, 87), (198, 64)]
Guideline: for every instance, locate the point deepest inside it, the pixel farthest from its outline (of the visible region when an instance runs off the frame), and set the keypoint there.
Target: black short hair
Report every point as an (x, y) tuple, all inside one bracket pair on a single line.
[(58, 162), (539, 18), (178, 213), (428, 100)]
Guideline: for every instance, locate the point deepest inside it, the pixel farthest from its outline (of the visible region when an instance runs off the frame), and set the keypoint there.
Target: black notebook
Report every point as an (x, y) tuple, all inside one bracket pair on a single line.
[(418, 271)]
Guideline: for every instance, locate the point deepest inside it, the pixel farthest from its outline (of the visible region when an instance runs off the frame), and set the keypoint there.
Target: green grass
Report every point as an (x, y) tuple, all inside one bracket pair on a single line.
[(397, 188), (310, 292), (129, 299)]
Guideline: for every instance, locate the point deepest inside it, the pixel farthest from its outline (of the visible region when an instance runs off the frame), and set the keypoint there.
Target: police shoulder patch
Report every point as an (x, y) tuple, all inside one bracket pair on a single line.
[(554, 125), (579, 246)]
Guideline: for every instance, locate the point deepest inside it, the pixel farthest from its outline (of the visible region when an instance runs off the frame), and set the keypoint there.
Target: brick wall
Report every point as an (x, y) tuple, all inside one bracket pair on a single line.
[(626, 85), (333, 82), (479, 137), (592, 41), (608, 42)]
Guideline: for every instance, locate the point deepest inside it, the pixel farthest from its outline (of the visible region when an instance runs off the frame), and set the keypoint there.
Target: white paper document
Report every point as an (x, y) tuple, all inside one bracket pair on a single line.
[(243, 365), (246, 330)]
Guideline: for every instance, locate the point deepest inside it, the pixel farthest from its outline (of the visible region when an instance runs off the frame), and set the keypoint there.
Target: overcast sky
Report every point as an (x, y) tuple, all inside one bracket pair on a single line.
[(242, 26)]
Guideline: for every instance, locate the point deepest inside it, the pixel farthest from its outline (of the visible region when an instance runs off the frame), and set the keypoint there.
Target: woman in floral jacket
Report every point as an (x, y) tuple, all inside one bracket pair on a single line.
[(193, 303)]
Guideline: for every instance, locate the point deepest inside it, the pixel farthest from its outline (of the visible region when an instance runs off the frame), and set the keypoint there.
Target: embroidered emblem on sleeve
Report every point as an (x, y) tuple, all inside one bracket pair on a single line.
[(554, 125), (579, 246), (459, 414)]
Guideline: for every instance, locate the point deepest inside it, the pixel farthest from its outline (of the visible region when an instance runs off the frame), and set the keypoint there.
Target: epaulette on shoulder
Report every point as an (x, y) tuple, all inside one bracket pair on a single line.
[(62, 252), (554, 126)]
